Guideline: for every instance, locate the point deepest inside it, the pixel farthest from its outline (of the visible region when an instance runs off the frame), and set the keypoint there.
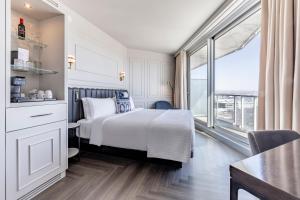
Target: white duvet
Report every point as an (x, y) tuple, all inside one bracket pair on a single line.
[(165, 134)]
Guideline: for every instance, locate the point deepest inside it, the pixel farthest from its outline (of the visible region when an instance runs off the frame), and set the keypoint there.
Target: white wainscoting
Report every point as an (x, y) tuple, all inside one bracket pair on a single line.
[(149, 76), (92, 62), (99, 57), (137, 77)]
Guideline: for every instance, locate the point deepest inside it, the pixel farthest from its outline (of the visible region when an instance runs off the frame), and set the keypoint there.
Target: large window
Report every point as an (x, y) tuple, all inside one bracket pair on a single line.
[(234, 64), (236, 75), (198, 84)]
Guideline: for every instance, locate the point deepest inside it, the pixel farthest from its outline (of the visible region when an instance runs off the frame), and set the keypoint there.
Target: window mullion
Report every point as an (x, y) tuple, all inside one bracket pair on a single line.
[(210, 82)]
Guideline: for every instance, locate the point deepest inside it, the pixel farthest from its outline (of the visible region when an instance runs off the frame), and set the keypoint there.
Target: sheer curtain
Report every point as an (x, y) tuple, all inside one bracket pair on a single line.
[(180, 90), (279, 84)]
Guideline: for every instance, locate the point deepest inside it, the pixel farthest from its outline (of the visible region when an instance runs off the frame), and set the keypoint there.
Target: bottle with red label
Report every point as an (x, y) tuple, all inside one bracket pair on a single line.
[(21, 29)]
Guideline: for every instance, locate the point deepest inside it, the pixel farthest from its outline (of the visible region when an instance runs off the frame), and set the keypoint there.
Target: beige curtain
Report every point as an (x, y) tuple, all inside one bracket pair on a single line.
[(279, 84), (180, 89)]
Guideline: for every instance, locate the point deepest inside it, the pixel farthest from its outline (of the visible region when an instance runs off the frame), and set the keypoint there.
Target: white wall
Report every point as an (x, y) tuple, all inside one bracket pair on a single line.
[(149, 74), (2, 100), (99, 57)]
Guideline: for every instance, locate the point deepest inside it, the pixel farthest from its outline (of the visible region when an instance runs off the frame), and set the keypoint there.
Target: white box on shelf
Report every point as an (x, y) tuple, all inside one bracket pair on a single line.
[(23, 54)]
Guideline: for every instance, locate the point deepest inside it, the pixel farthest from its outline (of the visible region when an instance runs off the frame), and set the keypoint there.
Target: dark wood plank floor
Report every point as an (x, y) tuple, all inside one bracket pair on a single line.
[(101, 176)]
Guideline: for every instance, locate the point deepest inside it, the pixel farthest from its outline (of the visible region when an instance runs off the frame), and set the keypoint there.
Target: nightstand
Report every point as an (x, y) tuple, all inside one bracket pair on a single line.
[(74, 151)]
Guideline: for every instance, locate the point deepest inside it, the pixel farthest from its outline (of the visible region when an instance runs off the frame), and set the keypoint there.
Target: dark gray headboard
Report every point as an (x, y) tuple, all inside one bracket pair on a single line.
[(75, 108)]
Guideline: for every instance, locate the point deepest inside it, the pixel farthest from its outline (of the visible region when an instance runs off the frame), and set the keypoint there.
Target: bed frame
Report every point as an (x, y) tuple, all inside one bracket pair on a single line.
[(75, 113)]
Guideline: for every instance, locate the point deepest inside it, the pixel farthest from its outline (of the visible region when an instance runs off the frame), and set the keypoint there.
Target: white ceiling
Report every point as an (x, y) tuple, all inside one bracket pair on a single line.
[(154, 25), (39, 10)]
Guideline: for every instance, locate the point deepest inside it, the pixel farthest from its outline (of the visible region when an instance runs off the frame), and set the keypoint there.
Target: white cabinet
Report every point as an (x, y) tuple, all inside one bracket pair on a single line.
[(33, 157), (33, 139)]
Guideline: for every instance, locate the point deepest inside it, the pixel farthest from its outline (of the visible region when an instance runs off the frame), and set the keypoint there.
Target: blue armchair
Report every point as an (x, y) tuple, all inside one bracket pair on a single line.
[(163, 105)]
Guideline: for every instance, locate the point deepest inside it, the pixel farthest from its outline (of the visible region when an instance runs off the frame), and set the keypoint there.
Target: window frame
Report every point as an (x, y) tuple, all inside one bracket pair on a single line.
[(209, 40), (189, 55)]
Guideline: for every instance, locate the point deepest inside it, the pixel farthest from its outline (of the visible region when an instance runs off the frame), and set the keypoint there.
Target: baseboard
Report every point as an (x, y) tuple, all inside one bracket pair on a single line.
[(43, 187)]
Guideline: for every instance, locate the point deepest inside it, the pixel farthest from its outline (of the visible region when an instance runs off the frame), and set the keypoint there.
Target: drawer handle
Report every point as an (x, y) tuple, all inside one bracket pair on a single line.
[(41, 115)]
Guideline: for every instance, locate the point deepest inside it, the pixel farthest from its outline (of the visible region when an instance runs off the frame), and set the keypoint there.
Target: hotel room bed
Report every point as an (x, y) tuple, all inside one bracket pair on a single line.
[(164, 134)]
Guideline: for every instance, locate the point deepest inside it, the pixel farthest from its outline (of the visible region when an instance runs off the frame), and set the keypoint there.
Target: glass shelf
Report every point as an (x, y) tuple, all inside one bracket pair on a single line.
[(29, 41), (33, 70)]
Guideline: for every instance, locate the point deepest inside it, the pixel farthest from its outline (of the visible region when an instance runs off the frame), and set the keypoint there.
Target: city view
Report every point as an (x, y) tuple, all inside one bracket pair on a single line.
[(237, 109), (233, 109), (236, 89)]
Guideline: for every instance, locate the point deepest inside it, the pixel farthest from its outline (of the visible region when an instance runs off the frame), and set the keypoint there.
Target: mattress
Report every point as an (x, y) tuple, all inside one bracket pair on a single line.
[(166, 134), (115, 138), (126, 130)]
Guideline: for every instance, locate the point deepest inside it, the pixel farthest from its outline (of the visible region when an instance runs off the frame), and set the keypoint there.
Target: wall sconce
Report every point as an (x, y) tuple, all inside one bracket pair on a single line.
[(71, 60), (27, 5), (122, 76)]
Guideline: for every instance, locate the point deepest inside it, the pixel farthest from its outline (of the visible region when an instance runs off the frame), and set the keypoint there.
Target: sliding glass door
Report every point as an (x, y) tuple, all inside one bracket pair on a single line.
[(226, 97), (198, 84), (236, 76)]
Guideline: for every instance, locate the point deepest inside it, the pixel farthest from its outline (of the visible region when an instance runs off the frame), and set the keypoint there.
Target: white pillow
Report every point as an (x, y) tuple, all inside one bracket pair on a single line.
[(101, 107), (131, 103), (86, 108)]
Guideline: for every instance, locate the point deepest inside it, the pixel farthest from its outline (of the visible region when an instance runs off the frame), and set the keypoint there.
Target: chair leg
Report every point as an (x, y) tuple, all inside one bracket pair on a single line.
[(234, 190)]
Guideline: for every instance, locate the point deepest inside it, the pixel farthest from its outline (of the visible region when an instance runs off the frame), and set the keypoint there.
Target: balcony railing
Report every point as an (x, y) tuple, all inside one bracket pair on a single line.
[(236, 111)]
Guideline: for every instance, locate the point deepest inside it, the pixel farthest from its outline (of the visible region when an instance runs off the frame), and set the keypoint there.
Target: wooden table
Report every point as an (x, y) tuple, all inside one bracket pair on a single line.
[(272, 175)]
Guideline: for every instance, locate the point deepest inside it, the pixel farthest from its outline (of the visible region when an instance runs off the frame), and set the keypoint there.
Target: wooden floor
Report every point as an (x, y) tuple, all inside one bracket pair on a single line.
[(107, 177)]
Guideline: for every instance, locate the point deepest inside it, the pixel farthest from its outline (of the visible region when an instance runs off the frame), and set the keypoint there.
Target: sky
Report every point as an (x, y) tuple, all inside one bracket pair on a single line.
[(238, 71)]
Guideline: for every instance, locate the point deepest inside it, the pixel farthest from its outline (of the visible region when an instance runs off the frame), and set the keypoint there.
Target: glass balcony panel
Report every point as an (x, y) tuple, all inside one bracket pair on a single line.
[(198, 84)]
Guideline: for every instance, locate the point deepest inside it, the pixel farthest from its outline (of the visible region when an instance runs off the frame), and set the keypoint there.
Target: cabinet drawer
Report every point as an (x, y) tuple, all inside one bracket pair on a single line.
[(25, 117)]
